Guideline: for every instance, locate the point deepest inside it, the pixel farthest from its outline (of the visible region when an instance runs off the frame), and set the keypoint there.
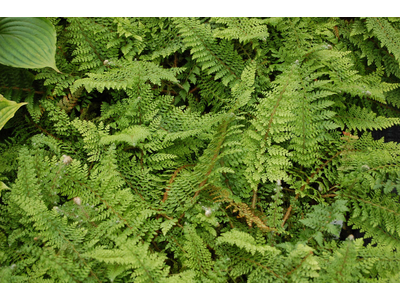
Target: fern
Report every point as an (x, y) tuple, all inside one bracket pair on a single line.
[(204, 150)]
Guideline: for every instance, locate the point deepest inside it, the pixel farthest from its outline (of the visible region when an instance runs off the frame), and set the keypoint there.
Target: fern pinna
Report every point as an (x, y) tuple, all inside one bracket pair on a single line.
[(204, 150)]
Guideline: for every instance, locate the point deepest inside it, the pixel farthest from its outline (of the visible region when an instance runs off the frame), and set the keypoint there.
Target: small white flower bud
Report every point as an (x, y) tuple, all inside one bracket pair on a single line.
[(67, 159), (329, 47), (350, 237), (364, 168), (77, 201), (106, 62), (278, 182), (208, 212), (368, 93)]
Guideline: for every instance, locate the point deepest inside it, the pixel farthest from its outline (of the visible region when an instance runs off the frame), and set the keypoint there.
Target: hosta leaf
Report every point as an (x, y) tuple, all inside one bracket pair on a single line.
[(3, 186), (8, 109), (27, 43)]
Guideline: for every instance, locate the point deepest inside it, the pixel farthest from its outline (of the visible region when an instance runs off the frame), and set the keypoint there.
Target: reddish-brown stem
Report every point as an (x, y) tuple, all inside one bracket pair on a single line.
[(172, 180), (328, 196), (253, 203), (87, 216), (300, 263), (194, 89), (176, 60), (169, 92), (213, 161), (275, 108), (141, 158), (90, 168), (44, 130), (22, 89), (307, 182), (89, 42)]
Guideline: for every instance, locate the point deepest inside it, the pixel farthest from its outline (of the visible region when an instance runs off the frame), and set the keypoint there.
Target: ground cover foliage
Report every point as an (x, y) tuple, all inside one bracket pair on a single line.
[(203, 150)]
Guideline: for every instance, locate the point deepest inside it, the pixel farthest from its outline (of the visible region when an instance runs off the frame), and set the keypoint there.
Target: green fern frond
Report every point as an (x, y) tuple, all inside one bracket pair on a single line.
[(243, 29)]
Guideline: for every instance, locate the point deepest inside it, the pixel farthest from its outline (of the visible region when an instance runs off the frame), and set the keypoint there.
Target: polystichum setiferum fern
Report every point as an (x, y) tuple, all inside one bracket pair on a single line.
[(203, 150)]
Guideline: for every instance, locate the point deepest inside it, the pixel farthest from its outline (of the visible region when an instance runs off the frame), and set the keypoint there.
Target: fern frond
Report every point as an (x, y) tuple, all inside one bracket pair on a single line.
[(244, 29)]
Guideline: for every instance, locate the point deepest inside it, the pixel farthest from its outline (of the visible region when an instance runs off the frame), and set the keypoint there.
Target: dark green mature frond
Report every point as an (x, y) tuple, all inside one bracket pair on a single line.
[(219, 58), (368, 188), (387, 35)]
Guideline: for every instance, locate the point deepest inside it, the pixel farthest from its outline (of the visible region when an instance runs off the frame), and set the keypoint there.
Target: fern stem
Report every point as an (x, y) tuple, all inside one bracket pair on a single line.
[(194, 89), (262, 266), (44, 130), (223, 127), (373, 204), (275, 108), (254, 201), (307, 182), (303, 260), (21, 89), (172, 180), (87, 40)]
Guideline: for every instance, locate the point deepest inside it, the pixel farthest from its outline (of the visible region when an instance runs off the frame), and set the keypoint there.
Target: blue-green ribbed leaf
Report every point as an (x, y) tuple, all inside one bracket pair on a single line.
[(3, 186), (8, 109), (27, 43)]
